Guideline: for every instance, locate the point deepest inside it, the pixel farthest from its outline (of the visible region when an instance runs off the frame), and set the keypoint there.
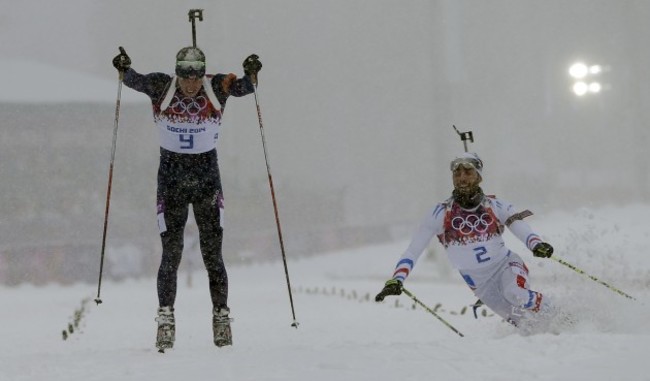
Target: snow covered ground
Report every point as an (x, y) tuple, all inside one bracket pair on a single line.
[(343, 334)]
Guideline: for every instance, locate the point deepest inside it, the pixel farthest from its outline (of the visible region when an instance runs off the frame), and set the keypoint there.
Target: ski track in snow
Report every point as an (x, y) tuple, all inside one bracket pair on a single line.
[(343, 334)]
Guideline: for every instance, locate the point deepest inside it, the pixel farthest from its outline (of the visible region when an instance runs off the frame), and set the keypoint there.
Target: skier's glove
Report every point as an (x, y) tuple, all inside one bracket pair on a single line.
[(252, 65), (392, 287), (122, 61), (543, 250)]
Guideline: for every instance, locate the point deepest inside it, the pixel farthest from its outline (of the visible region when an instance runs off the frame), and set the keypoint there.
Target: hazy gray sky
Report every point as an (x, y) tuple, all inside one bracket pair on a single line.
[(358, 100)]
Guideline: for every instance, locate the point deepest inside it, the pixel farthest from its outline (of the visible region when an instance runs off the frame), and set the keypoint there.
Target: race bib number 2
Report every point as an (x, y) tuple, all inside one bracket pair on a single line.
[(481, 254)]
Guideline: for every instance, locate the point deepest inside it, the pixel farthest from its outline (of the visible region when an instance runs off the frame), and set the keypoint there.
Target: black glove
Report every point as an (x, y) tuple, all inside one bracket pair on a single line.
[(543, 250), (252, 65), (122, 62), (392, 287)]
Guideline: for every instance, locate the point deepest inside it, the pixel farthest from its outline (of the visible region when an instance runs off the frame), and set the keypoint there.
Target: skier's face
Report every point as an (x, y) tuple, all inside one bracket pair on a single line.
[(190, 86), (465, 178)]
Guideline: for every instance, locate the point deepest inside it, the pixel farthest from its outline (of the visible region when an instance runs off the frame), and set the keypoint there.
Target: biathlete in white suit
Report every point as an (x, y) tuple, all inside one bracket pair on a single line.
[(470, 226)]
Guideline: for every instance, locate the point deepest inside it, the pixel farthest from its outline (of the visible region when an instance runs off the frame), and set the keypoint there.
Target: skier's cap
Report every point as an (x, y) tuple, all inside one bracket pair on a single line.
[(190, 61), (467, 160)]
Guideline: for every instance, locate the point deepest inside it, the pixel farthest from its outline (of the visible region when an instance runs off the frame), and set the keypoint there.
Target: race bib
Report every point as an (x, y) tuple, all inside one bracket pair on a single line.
[(188, 137)]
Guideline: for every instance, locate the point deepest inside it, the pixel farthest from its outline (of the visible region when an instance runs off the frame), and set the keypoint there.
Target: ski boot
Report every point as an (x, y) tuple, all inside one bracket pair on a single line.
[(166, 329), (221, 326)]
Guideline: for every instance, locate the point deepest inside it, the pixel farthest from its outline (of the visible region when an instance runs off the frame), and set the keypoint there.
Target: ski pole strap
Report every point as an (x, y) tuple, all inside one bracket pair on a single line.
[(572, 267), (416, 300)]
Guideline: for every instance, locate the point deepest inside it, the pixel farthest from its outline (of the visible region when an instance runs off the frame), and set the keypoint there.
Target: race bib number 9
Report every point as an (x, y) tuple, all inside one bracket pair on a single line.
[(188, 138)]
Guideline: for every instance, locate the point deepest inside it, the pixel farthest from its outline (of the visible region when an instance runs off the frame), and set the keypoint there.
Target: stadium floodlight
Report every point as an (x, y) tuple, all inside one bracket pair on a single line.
[(580, 88), (585, 78), (578, 70), (595, 87), (595, 69)]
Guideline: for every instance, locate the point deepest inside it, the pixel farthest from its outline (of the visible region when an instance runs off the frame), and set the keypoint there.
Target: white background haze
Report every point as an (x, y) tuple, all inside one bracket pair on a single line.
[(358, 100)]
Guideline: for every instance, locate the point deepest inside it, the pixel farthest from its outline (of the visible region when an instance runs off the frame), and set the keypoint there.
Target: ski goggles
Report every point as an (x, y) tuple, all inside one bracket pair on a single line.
[(466, 162), (186, 69)]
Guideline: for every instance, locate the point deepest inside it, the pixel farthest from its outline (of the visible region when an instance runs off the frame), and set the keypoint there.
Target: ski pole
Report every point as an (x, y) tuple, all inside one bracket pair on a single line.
[(98, 300), (432, 312), (572, 267), (275, 205)]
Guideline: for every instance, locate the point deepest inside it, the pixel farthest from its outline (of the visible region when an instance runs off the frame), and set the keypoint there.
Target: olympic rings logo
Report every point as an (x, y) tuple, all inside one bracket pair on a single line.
[(190, 106), (472, 223)]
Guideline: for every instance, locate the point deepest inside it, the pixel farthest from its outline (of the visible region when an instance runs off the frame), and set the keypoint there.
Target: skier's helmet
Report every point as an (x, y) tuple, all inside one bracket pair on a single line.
[(467, 160), (190, 61)]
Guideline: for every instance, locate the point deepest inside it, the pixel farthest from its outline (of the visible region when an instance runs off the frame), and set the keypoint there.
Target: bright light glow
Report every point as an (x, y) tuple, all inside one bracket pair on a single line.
[(595, 87), (580, 88), (585, 78), (595, 69), (578, 70)]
